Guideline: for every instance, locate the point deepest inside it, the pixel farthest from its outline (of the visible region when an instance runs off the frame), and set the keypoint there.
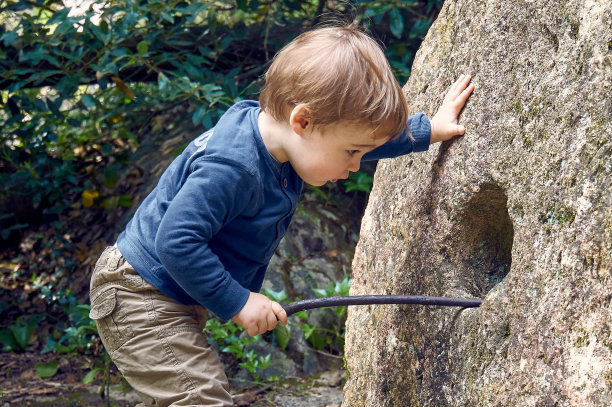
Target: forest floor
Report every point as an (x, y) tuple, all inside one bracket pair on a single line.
[(21, 386)]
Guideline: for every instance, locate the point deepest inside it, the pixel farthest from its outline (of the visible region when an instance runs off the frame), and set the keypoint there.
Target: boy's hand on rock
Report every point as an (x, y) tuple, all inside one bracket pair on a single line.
[(260, 314), (444, 124)]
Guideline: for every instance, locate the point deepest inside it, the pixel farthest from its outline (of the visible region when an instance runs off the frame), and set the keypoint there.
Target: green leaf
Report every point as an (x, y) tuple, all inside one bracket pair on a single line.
[(282, 335), (277, 296), (110, 177), (396, 22), (313, 336), (131, 18), (198, 115), (212, 21), (90, 376), (263, 362), (167, 16), (242, 4), (319, 292), (419, 29), (7, 232), (104, 27), (45, 370), (163, 83), (40, 104), (307, 329), (358, 181), (68, 85), (340, 311), (59, 16), (88, 101), (375, 11), (5, 216), (9, 38), (344, 286), (74, 122), (54, 106), (23, 331), (125, 201), (97, 32), (106, 148), (65, 26), (9, 344), (142, 47)]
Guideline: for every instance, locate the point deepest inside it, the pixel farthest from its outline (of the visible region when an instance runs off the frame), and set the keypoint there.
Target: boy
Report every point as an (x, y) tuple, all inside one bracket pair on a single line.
[(204, 236)]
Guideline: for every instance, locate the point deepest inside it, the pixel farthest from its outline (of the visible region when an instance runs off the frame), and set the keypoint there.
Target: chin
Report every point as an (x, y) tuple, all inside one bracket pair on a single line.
[(316, 183)]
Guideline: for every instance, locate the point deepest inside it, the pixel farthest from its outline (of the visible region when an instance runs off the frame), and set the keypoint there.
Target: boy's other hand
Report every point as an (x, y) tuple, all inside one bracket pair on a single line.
[(444, 124), (260, 314)]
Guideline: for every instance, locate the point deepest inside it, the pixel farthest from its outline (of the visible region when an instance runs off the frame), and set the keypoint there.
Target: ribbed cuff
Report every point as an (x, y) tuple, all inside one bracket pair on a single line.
[(420, 129), (228, 303)]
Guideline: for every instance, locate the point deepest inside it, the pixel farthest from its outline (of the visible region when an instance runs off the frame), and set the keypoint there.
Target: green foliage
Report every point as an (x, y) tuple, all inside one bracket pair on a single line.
[(358, 181), (333, 338), (313, 335), (5, 233), (255, 362), (338, 288), (282, 333), (78, 336), (320, 338), (77, 85), (277, 296), (17, 337), (406, 21), (234, 340), (46, 370), (103, 365)]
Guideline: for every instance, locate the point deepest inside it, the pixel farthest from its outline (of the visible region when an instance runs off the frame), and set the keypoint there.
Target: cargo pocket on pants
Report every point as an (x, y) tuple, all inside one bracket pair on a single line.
[(113, 328)]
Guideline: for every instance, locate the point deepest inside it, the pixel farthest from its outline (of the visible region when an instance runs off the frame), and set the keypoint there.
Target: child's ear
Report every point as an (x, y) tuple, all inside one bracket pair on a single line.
[(300, 120)]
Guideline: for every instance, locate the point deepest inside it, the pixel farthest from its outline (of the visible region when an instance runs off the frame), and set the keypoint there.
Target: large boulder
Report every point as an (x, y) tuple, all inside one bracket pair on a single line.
[(517, 212)]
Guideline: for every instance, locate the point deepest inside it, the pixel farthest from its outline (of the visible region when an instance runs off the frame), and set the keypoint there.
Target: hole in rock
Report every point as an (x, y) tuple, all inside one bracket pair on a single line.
[(486, 234)]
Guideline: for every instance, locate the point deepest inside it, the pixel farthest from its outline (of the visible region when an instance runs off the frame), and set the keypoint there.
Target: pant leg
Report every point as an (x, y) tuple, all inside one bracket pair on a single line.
[(156, 343)]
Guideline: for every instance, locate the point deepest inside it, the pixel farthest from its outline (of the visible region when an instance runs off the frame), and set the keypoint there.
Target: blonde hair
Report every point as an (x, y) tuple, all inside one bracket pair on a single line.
[(340, 73)]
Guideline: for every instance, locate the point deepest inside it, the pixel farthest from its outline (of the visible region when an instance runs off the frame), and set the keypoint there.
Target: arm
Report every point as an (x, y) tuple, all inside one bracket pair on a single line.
[(213, 194), (197, 212), (443, 126), (418, 127)]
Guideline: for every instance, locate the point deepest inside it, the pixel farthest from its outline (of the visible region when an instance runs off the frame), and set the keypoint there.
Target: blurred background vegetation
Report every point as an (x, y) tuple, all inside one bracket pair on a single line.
[(83, 82)]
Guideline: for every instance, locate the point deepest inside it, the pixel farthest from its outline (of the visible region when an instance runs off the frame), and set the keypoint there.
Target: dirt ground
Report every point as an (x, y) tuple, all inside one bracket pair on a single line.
[(21, 386)]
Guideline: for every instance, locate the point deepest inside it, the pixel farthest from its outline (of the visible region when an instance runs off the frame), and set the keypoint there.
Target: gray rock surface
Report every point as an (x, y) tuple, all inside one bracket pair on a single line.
[(517, 212)]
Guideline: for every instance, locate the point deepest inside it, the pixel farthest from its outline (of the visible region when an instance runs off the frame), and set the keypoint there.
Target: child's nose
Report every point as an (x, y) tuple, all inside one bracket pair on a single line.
[(354, 165)]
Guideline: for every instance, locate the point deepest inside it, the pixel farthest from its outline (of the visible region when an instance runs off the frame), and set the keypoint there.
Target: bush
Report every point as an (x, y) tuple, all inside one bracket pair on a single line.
[(74, 83)]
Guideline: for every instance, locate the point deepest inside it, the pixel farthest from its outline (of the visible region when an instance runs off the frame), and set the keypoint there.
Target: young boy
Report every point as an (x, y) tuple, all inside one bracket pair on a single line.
[(204, 236)]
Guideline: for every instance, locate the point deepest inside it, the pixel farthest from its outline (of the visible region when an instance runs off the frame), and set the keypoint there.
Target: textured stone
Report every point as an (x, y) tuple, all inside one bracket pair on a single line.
[(517, 212)]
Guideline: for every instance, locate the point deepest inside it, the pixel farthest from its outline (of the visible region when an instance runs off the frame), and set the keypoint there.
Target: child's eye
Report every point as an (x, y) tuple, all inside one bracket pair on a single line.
[(352, 152)]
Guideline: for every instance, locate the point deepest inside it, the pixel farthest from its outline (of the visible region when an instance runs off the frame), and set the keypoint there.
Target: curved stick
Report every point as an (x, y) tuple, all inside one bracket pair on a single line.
[(294, 307)]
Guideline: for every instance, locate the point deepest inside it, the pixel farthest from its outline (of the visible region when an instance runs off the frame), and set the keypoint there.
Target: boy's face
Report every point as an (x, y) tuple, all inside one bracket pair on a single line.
[(330, 153)]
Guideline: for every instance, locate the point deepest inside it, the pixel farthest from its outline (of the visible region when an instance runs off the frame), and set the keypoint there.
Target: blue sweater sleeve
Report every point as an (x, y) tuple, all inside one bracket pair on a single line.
[(212, 195), (420, 129)]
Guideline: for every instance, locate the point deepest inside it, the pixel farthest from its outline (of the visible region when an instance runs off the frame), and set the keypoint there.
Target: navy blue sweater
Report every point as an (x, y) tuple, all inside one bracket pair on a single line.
[(206, 233)]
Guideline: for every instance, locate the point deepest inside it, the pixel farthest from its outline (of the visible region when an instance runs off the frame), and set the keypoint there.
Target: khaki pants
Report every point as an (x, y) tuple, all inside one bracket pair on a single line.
[(156, 343)]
